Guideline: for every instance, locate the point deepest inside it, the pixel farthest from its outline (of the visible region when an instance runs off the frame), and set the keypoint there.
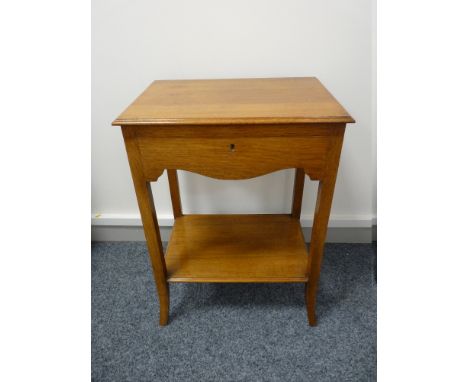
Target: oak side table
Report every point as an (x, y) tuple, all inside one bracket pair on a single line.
[(235, 129)]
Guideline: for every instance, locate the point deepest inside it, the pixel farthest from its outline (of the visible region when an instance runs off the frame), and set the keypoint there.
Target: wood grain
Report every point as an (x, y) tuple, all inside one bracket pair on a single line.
[(236, 248), (234, 155), (234, 101)]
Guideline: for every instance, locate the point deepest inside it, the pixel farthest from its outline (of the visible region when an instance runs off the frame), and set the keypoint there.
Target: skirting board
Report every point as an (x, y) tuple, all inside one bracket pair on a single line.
[(107, 227)]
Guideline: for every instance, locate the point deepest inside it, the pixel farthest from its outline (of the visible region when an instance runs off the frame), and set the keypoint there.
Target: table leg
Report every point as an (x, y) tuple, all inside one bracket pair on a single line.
[(155, 249), (175, 192), (297, 193), (317, 241), (150, 224), (319, 228)]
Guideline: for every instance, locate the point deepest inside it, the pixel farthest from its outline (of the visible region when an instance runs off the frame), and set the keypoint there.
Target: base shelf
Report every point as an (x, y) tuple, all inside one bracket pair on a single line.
[(236, 248)]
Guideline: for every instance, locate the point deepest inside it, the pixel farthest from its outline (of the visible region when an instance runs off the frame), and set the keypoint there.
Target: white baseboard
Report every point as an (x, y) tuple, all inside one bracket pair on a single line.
[(128, 227), (134, 220)]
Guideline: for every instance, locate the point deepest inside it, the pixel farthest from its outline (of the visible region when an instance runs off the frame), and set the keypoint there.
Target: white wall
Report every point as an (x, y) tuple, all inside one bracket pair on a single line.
[(135, 42)]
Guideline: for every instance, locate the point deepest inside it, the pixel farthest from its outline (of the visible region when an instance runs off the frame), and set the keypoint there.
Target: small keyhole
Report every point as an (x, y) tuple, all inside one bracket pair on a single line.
[(232, 147)]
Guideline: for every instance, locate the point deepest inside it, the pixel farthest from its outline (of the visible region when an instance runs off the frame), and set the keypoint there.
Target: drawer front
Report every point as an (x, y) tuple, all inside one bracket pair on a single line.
[(234, 157)]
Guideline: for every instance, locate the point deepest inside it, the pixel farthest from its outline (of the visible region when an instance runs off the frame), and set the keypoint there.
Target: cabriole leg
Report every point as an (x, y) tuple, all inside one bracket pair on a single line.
[(320, 226), (150, 223)]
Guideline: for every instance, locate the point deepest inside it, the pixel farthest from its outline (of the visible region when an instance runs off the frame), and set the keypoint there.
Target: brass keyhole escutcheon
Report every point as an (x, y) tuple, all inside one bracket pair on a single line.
[(232, 147)]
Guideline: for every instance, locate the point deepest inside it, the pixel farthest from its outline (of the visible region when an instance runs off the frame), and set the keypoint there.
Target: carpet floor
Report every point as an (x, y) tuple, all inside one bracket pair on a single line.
[(232, 332)]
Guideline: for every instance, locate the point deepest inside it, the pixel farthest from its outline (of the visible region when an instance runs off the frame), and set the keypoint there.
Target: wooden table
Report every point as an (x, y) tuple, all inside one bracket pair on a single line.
[(235, 129)]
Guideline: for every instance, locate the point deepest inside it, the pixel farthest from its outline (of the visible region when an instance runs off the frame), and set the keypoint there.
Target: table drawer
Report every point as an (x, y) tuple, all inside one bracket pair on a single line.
[(237, 157)]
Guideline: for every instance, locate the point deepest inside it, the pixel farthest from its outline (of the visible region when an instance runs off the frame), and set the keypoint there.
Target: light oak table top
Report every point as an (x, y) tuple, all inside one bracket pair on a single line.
[(234, 101)]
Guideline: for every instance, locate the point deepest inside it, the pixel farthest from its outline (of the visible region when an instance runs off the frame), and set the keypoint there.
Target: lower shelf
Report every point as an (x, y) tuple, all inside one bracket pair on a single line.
[(236, 248)]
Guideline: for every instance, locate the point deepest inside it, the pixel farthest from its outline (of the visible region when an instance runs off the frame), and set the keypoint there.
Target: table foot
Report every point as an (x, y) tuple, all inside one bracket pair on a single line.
[(310, 305), (164, 305)]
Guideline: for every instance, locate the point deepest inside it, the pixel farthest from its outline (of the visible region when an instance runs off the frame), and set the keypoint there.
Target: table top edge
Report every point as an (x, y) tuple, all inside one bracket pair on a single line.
[(230, 121)]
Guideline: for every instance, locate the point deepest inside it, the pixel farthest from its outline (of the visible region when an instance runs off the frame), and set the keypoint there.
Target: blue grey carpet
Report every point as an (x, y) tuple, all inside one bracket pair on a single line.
[(232, 332)]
